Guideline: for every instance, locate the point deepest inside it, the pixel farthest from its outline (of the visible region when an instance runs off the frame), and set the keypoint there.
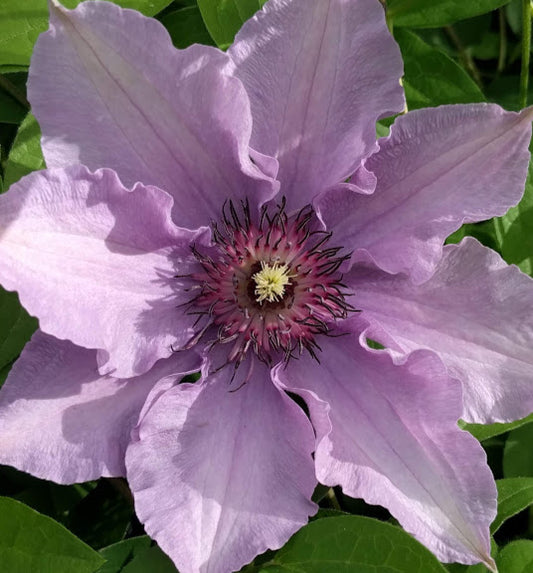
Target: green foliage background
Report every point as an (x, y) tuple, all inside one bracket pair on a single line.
[(455, 51)]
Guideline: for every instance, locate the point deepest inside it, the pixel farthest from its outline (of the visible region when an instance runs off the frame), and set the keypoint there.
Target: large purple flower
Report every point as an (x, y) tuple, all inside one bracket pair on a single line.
[(171, 233)]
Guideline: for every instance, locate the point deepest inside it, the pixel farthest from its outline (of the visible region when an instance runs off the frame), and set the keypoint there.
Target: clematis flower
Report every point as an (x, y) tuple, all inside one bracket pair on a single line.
[(233, 213)]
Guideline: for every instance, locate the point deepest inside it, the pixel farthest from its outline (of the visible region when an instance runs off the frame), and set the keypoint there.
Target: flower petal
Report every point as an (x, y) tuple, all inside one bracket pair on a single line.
[(96, 264), (61, 420), (319, 73), (438, 169), (109, 90), (392, 439), (475, 312), (220, 474)]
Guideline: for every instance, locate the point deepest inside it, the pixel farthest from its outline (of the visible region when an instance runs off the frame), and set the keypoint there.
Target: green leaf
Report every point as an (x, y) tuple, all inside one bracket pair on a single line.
[(3, 373), (516, 557), (484, 432), (518, 453), (7, 69), (104, 515), (25, 155), (431, 77), (16, 327), (22, 22), (136, 556), (11, 111), (505, 91), (484, 232), (513, 12), (515, 230), (224, 18), (31, 542), (424, 14), (352, 544), (186, 27), (514, 495), (119, 554)]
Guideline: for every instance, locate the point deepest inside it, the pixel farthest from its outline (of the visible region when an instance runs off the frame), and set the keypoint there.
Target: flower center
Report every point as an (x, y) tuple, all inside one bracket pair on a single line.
[(271, 281), (271, 286)]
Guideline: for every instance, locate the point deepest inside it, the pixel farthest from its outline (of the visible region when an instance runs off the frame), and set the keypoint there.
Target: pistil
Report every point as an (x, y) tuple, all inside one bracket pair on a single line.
[(271, 281)]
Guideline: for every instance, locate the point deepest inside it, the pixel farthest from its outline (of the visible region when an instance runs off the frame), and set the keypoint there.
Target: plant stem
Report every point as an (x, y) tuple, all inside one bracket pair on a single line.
[(13, 91), (526, 50)]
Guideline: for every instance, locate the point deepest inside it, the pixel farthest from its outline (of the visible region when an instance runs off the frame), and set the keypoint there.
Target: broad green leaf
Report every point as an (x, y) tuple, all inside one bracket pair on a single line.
[(223, 18), (352, 544), (136, 555), (424, 14), (31, 542), (514, 495), (431, 77), (25, 155), (515, 230), (484, 432), (119, 554), (517, 557), (186, 27), (152, 560), (21, 22), (325, 513), (16, 327), (518, 453)]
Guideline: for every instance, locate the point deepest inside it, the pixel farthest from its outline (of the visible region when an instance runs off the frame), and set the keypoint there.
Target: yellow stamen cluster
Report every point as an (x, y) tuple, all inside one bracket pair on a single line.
[(271, 281)]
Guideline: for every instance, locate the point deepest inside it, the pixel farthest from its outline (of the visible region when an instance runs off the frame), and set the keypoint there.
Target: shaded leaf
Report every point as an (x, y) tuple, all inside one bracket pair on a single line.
[(223, 18), (515, 230), (151, 559), (104, 515), (186, 27), (3, 373), (424, 14), (352, 544), (136, 555), (431, 77), (11, 110), (518, 453), (119, 554), (16, 327), (32, 542), (514, 495), (51, 499)]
